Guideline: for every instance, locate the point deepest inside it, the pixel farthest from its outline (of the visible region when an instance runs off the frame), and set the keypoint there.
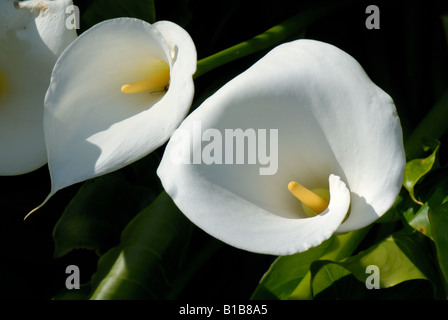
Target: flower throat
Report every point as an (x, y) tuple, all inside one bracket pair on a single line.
[(158, 80)]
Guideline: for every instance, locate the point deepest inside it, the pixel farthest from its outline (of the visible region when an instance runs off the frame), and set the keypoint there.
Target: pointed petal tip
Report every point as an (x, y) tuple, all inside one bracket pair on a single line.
[(40, 206)]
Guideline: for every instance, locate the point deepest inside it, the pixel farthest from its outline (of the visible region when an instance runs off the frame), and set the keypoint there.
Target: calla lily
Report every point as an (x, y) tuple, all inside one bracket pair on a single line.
[(32, 36), (116, 94), (336, 133)]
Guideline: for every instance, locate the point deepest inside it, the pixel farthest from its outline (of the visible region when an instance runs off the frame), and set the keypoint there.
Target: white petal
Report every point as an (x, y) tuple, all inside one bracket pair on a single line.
[(361, 125), (91, 127), (331, 119), (244, 224), (32, 35)]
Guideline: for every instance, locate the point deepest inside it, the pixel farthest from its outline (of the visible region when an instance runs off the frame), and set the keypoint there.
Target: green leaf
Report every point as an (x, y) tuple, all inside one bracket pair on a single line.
[(286, 272), (439, 223), (349, 288), (415, 170), (325, 274), (400, 257), (288, 277), (96, 216), (434, 190), (419, 220), (149, 257)]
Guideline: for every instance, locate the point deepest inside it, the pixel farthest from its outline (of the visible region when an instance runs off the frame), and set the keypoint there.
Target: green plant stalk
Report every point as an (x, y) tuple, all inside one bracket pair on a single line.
[(269, 38), (433, 126)]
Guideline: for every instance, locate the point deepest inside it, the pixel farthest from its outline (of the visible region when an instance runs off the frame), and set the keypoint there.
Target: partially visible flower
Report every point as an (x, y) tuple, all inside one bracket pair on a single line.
[(338, 135), (32, 36), (117, 93)]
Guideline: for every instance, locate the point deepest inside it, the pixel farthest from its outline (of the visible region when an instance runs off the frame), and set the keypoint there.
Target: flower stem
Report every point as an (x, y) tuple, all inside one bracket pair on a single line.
[(269, 38)]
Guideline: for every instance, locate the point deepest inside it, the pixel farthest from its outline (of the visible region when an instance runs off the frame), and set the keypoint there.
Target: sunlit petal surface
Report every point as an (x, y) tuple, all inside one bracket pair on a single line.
[(331, 121)]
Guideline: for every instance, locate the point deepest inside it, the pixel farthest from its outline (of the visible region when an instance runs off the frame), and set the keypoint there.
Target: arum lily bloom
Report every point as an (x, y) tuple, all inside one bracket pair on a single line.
[(339, 152), (117, 93), (32, 36)]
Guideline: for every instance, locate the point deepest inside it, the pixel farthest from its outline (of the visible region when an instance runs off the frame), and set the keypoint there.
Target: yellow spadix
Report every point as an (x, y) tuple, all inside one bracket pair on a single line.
[(316, 201), (157, 80)]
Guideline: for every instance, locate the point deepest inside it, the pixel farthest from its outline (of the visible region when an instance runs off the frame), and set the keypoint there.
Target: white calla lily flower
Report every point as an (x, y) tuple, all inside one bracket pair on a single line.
[(117, 93), (32, 36), (337, 134)]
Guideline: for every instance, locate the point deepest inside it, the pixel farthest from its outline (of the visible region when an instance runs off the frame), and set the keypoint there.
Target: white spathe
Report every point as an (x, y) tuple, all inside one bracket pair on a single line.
[(336, 130), (32, 36), (91, 127)]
